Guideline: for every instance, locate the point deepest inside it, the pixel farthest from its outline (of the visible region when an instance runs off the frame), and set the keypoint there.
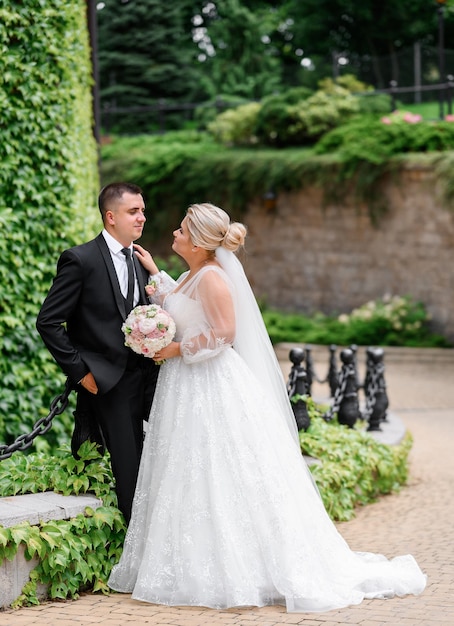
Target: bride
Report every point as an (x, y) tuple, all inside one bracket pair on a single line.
[(226, 512)]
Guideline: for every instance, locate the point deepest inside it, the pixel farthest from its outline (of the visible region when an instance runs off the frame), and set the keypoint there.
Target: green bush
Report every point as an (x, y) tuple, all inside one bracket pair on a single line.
[(371, 139), (368, 101), (322, 112), (355, 468), (208, 111), (277, 116), (236, 126), (378, 104), (391, 321), (291, 119), (347, 81), (48, 185)]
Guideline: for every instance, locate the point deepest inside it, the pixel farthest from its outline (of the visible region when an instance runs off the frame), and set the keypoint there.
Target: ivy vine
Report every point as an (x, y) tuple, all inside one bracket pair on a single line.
[(182, 167), (48, 186), (355, 468), (75, 554)]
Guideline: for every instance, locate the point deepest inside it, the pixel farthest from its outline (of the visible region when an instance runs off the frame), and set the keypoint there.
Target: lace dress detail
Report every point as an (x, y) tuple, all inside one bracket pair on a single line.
[(225, 514)]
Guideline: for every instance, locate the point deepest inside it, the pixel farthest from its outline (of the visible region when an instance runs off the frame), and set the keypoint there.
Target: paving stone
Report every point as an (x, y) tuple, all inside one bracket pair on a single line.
[(418, 520)]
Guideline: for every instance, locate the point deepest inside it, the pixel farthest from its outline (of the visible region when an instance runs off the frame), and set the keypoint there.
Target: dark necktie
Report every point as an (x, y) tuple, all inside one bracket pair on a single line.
[(130, 295)]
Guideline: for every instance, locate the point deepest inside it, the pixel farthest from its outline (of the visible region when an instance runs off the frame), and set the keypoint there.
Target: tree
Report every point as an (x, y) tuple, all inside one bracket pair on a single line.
[(146, 52), (355, 31), (196, 50), (236, 51)]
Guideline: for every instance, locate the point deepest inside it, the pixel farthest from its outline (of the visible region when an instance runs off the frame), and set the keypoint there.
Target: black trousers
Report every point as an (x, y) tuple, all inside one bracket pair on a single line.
[(120, 414)]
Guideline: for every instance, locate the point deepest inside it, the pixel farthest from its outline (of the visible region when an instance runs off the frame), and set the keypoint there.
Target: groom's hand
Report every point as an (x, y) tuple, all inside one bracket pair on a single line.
[(88, 382)]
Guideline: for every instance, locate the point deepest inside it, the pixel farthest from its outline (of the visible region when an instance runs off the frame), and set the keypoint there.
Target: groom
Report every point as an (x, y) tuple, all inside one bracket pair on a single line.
[(80, 323)]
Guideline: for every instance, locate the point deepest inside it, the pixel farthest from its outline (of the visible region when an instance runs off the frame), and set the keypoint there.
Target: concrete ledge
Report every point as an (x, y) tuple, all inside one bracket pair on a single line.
[(391, 432), (392, 353), (42, 507), (14, 575), (33, 508)]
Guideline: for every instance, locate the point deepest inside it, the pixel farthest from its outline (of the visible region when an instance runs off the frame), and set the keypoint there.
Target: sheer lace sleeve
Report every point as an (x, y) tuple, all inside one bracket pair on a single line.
[(163, 284), (214, 329)]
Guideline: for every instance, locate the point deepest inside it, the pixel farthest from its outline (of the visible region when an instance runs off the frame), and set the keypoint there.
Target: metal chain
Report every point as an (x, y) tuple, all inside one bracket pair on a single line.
[(41, 427), (291, 383), (346, 371), (314, 376), (372, 390)]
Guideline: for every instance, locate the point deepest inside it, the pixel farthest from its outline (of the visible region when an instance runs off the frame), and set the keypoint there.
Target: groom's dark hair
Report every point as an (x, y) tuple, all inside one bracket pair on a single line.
[(113, 192)]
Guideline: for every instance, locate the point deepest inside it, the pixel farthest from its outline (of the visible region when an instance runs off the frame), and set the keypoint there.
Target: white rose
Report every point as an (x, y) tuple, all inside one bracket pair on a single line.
[(162, 318), (147, 325)]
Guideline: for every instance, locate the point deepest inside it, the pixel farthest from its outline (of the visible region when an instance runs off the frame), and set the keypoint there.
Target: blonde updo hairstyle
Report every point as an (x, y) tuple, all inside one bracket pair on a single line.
[(210, 228)]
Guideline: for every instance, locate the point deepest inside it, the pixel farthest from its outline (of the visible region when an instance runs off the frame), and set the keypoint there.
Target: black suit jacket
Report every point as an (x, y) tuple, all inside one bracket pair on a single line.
[(81, 317)]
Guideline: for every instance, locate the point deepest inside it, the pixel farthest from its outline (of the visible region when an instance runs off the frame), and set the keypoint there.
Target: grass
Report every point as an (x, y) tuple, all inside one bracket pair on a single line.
[(430, 111)]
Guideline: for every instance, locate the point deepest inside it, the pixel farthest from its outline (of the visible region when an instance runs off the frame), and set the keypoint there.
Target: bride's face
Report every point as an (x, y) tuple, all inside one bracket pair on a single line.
[(182, 243)]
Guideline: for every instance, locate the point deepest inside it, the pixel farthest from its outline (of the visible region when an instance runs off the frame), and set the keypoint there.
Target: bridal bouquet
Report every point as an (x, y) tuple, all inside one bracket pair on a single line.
[(147, 329)]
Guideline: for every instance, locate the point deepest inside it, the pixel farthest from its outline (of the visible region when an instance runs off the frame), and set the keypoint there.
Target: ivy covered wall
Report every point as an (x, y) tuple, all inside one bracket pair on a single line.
[(48, 186)]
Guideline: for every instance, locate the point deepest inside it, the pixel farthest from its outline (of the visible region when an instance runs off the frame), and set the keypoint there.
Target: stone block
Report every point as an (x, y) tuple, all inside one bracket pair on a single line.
[(33, 508)]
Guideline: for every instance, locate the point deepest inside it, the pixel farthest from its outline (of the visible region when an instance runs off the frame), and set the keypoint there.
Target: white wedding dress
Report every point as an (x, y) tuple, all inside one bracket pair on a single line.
[(226, 513)]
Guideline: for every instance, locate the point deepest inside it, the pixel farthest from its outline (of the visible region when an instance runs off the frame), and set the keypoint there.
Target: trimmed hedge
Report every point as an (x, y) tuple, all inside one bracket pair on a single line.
[(185, 167)]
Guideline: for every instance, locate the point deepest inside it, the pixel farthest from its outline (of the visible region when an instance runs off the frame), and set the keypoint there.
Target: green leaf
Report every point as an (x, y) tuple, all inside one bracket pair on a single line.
[(35, 546), (5, 536), (21, 533), (104, 515)]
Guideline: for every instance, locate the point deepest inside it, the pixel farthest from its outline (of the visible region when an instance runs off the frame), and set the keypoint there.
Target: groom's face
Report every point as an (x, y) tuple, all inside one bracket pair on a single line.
[(126, 219)]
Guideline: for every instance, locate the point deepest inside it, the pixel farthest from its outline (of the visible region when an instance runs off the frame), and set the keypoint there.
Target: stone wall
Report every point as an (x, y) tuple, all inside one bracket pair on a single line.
[(307, 257)]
